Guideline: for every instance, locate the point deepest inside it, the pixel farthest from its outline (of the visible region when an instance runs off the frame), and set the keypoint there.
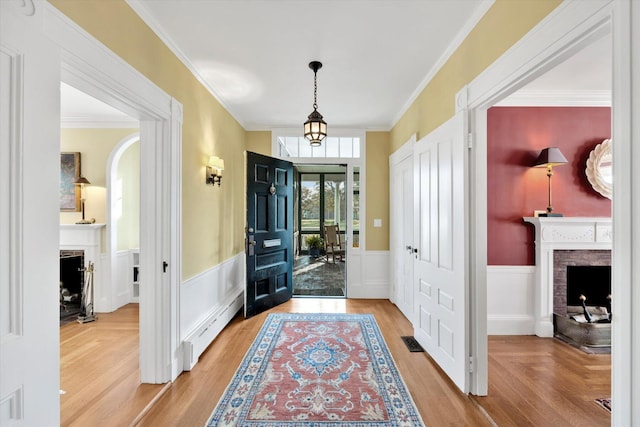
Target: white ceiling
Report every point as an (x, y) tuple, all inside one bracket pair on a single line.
[(377, 55)]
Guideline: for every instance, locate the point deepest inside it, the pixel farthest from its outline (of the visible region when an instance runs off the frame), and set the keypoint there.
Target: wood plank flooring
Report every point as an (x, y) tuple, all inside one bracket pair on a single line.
[(533, 381), (99, 371), (545, 382)]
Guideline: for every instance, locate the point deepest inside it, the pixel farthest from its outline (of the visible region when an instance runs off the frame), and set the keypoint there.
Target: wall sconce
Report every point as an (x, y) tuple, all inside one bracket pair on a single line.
[(82, 181), (550, 157), (214, 170)]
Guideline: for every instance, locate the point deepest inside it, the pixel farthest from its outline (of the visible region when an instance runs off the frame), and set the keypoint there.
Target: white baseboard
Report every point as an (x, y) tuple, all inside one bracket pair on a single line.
[(199, 340), (510, 300), (208, 302)]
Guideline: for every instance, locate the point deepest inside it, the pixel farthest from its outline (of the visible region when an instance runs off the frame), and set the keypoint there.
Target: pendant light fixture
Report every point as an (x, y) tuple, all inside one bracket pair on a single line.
[(315, 129)]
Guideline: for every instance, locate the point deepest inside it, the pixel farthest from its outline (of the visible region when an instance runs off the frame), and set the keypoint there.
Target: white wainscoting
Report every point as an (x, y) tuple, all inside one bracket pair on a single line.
[(368, 277), (208, 302), (511, 300), (121, 286)]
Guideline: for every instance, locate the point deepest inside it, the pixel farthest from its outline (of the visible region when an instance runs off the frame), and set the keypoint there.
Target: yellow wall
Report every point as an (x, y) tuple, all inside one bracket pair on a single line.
[(377, 188), (506, 22), (209, 129), (213, 217), (259, 142), (128, 219), (94, 146)]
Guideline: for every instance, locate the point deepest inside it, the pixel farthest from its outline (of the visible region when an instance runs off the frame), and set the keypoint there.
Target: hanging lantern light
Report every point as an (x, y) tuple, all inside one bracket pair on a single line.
[(315, 128)]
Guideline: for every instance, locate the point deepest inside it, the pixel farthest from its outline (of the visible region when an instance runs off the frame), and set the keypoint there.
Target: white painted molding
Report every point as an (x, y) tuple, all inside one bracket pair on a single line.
[(12, 192), (625, 274), (139, 8), (75, 123), (89, 66), (204, 334), (208, 302), (557, 98), (455, 43), (558, 36), (404, 151)]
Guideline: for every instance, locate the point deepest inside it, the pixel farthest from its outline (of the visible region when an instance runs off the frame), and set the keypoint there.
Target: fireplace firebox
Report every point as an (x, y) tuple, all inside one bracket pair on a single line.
[(592, 281), (582, 281), (71, 283)]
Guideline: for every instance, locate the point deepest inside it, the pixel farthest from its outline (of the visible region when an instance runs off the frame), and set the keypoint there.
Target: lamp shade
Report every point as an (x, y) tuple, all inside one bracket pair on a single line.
[(551, 156), (81, 180)]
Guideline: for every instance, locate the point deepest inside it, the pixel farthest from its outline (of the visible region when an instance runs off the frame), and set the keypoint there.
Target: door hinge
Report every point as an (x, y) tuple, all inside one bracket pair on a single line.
[(469, 140), (472, 364)]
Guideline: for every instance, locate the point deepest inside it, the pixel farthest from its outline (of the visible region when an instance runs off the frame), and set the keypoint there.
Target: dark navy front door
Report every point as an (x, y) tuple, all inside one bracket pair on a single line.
[(269, 233)]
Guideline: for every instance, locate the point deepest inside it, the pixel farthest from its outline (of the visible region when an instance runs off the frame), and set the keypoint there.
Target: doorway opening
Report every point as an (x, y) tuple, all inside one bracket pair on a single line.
[(107, 142), (575, 114), (320, 216)]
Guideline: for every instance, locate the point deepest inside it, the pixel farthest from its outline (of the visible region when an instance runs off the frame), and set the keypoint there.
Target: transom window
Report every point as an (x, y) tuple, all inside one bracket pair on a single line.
[(331, 147)]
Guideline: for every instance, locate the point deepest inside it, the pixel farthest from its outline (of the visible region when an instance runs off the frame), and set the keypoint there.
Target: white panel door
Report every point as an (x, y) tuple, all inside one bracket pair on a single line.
[(440, 266), (29, 218), (402, 224)]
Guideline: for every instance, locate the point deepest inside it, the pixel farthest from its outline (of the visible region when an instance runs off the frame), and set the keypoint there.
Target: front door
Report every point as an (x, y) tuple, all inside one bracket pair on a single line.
[(440, 267), (269, 233)]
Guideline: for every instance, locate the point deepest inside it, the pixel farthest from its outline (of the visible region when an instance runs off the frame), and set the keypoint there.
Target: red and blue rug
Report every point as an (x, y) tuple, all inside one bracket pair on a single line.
[(317, 370)]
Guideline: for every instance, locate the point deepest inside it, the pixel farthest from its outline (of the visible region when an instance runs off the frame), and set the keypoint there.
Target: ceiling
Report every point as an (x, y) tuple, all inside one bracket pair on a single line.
[(378, 55)]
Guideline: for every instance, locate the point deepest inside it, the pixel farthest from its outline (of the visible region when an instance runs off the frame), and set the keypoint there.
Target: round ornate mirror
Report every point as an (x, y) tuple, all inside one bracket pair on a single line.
[(599, 168)]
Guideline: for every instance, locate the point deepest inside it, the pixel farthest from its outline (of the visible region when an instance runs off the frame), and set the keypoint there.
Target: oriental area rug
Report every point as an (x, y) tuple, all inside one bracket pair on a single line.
[(317, 370)]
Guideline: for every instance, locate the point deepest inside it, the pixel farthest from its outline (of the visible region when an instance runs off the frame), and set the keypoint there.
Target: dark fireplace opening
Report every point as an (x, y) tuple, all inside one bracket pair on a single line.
[(592, 281), (588, 273), (71, 284)]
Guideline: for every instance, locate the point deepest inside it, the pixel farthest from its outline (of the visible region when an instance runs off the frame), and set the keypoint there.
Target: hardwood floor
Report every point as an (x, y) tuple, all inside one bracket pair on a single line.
[(533, 381), (545, 382), (99, 371)]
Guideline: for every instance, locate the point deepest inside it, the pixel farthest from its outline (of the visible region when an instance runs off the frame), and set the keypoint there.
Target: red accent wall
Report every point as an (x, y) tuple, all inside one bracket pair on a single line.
[(515, 137)]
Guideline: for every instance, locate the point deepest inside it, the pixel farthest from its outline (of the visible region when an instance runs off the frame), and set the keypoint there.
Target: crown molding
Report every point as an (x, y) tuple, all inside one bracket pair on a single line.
[(139, 8), (455, 44)]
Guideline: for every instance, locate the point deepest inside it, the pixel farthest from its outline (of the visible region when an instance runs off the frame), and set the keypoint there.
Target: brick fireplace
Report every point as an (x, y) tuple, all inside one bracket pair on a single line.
[(563, 241), (562, 260)]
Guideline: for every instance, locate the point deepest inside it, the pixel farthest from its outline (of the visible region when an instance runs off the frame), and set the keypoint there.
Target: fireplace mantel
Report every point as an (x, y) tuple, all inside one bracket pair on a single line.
[(561, 233)]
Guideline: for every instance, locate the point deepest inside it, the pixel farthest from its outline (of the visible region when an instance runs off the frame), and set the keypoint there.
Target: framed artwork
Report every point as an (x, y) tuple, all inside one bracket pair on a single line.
[(69, 192)]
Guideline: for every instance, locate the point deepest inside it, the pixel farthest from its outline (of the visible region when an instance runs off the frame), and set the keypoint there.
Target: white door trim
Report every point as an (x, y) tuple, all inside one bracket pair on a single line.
[(566, 30), (91, 67)]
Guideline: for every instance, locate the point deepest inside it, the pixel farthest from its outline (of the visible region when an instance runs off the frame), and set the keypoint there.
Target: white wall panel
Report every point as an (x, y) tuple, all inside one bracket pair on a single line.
[(376, 281), (203, 294), (510, 300)]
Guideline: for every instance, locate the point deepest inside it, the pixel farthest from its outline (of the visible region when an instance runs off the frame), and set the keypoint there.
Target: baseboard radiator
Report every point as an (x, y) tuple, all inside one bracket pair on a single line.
[(199, 340)]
